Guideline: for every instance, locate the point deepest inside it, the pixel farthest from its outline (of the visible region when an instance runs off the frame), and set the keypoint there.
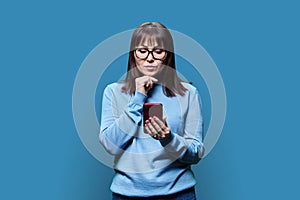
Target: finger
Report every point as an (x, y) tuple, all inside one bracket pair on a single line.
[(142, 80), (147, 130), (147, 78), (157, 127), (158, 137), (150, 83), (165, 129), (151, 129), (146, 126), (153, 79), (164, 119), (159, 122)]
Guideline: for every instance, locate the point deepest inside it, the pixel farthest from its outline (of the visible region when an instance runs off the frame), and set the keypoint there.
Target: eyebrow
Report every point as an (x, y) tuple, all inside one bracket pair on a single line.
[(148, 46)]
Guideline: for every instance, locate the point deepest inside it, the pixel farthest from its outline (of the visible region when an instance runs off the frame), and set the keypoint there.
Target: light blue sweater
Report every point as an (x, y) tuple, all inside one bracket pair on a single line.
[(145, 166)]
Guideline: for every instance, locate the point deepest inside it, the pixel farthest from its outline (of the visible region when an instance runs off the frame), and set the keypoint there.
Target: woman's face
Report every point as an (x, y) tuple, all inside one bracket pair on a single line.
[(149, 58)]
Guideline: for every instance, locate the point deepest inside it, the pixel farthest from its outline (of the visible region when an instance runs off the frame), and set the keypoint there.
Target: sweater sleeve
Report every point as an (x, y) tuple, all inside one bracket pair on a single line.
[(187, 147), (119, 125)]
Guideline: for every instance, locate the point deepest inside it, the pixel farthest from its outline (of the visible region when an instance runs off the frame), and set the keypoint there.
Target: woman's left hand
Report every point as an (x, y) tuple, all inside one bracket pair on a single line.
[(156, 128)]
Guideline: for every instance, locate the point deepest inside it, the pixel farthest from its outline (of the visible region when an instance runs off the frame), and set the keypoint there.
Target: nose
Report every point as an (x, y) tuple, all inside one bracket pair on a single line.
[(150, 58)]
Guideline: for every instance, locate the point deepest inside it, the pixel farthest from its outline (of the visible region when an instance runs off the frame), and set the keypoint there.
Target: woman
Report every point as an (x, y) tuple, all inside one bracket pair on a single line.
[(152, 160)]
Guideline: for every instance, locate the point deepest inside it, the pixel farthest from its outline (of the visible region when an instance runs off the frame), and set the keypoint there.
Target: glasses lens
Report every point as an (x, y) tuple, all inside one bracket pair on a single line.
[(159, 53), (141, 53)]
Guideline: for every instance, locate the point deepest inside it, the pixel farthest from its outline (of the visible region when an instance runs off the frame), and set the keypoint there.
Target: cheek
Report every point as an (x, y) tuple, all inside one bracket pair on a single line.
[(139, 62), (159, 63)]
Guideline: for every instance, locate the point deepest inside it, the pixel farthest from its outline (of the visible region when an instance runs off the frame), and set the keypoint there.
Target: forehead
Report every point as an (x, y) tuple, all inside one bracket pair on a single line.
[(150, 41)]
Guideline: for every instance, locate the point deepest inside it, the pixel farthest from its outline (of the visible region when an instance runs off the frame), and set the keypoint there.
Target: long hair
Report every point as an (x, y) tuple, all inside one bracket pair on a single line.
[(154, 32)]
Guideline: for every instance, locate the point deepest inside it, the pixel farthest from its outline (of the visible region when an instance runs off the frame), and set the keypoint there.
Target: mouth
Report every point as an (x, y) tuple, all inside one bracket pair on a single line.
[(150, 67)]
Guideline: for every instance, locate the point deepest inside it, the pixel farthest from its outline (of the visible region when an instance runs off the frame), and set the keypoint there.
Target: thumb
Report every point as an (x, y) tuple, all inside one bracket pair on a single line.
[(165, 120)]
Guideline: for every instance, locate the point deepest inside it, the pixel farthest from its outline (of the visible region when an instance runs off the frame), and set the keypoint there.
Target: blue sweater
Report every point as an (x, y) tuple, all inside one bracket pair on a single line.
[(145, 166)]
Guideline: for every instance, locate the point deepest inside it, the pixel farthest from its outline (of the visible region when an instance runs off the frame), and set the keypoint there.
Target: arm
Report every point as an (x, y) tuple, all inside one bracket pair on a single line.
[(118, 130), (188, 148)]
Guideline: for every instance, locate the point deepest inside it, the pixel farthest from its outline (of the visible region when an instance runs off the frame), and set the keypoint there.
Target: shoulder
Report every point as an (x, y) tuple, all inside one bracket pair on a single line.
[(190, 88), (191, 93), (113, 88)]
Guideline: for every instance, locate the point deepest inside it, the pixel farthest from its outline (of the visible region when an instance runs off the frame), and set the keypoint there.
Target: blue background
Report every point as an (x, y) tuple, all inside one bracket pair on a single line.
[(255, 45)]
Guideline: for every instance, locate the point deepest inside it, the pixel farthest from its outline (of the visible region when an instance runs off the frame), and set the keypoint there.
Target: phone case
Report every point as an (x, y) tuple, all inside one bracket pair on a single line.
[(152, 109)]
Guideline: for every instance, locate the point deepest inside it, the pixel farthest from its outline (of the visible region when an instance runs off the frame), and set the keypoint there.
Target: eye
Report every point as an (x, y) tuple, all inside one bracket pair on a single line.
[(158, 51), (142, 51)]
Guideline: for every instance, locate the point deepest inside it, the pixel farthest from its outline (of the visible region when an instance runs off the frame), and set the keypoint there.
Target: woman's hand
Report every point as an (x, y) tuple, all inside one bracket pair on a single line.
[(144, 84), (156, 128)]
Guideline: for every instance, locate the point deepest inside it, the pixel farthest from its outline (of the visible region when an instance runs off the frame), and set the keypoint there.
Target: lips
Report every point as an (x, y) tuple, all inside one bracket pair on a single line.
[(150, 67)]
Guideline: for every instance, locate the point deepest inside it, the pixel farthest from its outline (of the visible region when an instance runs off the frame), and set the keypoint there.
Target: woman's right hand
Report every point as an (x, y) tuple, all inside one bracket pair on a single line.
[(144, 83)]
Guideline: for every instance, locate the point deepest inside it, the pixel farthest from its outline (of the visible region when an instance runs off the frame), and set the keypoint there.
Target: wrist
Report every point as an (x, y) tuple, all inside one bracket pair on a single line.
[(167, 139), (141, 91)]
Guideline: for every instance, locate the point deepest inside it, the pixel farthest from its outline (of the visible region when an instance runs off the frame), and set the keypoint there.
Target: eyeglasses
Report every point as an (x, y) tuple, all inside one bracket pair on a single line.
[(157, 54)]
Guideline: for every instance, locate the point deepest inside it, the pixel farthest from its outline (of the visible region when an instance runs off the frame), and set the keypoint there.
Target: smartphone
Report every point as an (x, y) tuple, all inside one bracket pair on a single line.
[(152, 109)]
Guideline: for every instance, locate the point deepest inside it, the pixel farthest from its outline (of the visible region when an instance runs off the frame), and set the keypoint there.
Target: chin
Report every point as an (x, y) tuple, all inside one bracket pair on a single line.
[(150, 73)]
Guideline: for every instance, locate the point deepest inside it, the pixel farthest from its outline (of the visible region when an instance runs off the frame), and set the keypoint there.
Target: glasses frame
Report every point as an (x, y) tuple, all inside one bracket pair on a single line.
[(151, 53)]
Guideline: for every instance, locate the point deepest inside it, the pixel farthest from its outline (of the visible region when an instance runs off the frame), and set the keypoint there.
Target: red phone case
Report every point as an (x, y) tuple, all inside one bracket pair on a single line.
[(152, 109)]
